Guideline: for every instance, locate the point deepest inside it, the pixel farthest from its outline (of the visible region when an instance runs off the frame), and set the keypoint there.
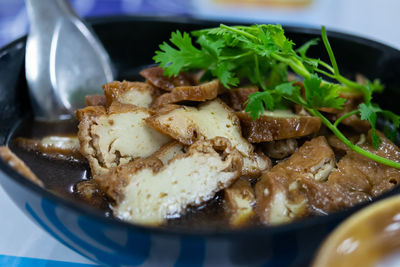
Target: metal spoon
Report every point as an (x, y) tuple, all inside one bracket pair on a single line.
[(64, 60)]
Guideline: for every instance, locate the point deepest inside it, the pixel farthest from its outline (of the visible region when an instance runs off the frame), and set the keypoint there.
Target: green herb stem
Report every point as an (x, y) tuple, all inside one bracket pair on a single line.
[(351, 113), (349, 144)]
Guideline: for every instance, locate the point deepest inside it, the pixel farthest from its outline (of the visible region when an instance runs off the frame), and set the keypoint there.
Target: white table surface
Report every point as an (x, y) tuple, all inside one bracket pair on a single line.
[(21, 241)]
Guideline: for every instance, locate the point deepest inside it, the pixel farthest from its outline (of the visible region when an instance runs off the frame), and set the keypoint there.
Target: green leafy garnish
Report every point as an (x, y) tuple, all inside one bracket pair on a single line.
[(263, 55)]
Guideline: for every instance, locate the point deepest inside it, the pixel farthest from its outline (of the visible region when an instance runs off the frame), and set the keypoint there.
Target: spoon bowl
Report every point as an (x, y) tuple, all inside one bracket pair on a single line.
[(64, 60)]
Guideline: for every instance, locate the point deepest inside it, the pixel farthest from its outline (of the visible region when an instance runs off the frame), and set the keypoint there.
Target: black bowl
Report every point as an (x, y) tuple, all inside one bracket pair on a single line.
[(131, 42)]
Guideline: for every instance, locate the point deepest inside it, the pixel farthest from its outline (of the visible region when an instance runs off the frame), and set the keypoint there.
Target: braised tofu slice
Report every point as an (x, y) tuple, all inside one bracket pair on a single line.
[(201, 93), (110, 138), (95, 100), (211, 119), (154, 75), (148, 192), (240, 199), (64, 147), (278, 192), (237, 97), (170, 151), (280, 149), (135, 93), (277, 125), (18, 165), (357, 179)]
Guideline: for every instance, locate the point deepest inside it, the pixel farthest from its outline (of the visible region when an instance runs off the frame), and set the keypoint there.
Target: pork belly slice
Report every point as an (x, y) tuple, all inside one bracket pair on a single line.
[(201, 93), (135, 93), (95, 100), (155, 76), (148, 192), (209, 120), (357, 179), (277, 125), (240, 199), (115, 137), (18, 165), (278, 194)]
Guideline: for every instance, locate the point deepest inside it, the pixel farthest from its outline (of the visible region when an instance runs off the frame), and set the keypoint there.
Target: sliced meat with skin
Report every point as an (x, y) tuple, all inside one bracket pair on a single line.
[(155, 76), (95, 100), (135, 93), (278, 194), (240, 199), (202, 92), (115, 137), (209, 120), (147, 192), (277, 125)]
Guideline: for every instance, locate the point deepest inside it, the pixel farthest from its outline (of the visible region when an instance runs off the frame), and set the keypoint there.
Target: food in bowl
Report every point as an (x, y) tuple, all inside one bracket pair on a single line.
[(253, 145)]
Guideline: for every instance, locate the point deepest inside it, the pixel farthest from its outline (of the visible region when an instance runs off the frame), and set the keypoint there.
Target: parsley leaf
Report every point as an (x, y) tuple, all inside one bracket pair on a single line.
[(256, 101), (319, 95), (368, 112)]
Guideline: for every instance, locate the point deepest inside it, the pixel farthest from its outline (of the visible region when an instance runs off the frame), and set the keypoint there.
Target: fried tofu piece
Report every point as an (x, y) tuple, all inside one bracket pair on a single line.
[(357, 179), (148, 192), (154, 75), (278, 194), (354, 121), (95, 100), (113, 137), (272, 126), (240, 199), (169, 151), (211, 119), (201, 93), (280, 149), (236, 97), (64, 147), (18, 165), (135, 93)]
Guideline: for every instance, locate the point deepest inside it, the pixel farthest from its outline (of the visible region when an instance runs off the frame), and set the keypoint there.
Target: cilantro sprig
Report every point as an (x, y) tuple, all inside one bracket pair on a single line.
[(263, 55)]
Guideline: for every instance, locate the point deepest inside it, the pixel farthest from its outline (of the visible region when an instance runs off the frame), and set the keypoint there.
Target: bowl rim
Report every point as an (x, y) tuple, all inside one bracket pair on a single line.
[(87, 211)]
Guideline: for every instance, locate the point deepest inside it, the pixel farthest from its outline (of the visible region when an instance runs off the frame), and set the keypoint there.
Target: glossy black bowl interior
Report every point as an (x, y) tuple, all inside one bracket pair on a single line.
[(131, 42)]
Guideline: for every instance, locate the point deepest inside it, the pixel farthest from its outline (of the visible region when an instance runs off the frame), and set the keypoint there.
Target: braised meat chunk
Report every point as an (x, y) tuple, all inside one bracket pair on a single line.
[(113, 137), (148, 192)]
